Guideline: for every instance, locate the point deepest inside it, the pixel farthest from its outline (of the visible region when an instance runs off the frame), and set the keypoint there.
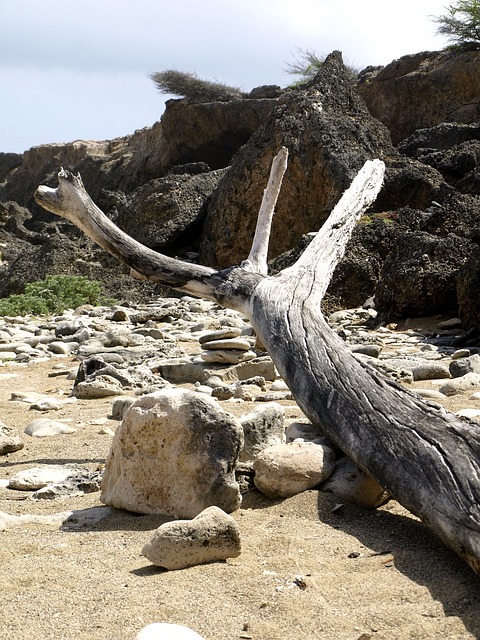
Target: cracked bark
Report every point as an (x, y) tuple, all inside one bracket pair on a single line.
[(427, 458)]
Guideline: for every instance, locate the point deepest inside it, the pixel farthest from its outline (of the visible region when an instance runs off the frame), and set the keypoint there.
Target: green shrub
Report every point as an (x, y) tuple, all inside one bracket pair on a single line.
[(461, 25), (54, 295)]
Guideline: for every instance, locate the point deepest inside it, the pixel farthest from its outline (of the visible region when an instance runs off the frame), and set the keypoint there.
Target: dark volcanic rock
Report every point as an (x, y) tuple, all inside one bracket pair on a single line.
[(453, 149), (422, 90), (419, 276), (329, 134), (163, 211)]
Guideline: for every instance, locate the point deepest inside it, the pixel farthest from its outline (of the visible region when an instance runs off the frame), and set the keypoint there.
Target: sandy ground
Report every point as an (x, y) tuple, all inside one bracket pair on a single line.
[(306, 570)]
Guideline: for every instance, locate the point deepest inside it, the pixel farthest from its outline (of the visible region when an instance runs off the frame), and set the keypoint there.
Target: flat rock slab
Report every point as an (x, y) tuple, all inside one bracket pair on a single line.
[(211, 536), (39, 477), (44, 427)]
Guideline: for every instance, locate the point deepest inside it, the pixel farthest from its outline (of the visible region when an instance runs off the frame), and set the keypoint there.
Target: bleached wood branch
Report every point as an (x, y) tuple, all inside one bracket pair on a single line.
[(257, 259), (426, 458)]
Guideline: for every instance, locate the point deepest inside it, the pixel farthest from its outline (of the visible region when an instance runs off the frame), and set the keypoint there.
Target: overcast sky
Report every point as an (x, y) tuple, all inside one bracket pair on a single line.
[(80, 69)]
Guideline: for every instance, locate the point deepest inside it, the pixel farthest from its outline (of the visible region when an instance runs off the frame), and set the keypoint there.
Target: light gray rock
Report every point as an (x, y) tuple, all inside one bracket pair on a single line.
[(307, 432), (174, 453), (38, 477), (430, 370), (468, 383), (238, 344), (100, 387), (284, 470), (227, 356), (211, 536), (372, 350), (44, 427), (348, 483), (221, 334), (62, 348), (9, 440), (262, 428)]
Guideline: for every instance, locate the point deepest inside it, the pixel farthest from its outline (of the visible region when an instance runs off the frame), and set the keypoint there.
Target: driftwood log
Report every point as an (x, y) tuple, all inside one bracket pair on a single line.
[(425, 457)]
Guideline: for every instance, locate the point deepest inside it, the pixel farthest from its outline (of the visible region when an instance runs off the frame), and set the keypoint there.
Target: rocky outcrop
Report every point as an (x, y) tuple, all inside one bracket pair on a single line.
[(422, 90), (329, 134), (452, 149)]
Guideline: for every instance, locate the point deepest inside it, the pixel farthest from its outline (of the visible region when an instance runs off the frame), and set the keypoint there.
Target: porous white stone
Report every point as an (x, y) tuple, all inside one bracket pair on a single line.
[(174, 453), (284, 470), (212, 535), (38, 477)]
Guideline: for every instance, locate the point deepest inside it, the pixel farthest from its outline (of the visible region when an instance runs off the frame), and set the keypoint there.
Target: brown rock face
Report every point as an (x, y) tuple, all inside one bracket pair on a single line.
[(423, 90), (329, 134)]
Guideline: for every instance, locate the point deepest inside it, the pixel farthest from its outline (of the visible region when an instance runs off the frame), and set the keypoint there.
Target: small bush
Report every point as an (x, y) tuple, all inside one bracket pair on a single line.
[(189, 85), (307, 63), (54, 295)]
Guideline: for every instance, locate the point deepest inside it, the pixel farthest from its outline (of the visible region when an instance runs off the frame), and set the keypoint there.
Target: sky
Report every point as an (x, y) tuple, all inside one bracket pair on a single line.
[(79, 70)]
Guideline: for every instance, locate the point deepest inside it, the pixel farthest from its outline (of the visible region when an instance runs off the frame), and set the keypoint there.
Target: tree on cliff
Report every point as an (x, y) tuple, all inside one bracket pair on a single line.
[(461, 25)]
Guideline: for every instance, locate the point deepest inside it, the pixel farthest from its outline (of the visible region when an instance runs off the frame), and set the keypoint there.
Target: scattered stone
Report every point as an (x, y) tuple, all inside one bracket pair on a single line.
[(174, 453), (262, 428), (348, 483), (224, 356), (466, 384), (38, 477), (237, 344), (461, 366), (44, 427), (430, 371), (222, 334), (9, 440), (472, 414), (211, 536), (100, 387), (372, 350), (284, 470)]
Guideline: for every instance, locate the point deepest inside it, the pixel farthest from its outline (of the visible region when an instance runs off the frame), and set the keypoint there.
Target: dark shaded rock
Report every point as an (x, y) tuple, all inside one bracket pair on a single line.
[(422, 90), (9, 161), (453, 149), (420, 274), (467, 291), (167, 210)]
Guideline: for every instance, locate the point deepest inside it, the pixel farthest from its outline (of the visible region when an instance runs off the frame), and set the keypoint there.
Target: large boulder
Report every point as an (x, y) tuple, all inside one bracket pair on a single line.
[(422, 90), (174, 453), (166, 211), (419, 276), (453, 149), (329, 134)]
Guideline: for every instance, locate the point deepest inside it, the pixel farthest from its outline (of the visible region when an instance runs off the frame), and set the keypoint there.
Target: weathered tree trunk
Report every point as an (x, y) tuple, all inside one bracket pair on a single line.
[(428, 459)]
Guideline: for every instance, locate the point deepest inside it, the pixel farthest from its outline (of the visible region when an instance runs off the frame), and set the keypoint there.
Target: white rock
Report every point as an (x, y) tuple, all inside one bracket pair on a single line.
[(238, 344), (38, 477), (225, 356), (212, 535), (44, 427), (465, 384), (167, 631), (287, 469), (174, 453), (468, 413)]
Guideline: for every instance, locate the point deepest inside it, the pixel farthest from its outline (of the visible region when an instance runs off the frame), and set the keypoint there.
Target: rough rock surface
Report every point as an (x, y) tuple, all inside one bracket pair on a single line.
[(422, 90), (174, 453), (212, 535), (329, 134)]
